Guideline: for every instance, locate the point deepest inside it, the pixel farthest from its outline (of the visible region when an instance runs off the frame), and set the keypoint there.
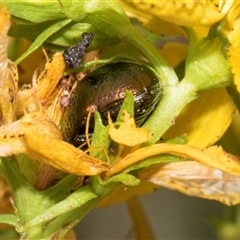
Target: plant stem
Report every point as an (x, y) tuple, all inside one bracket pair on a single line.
[(25, 194), (175, 95), (165, 73), (61, 227), (174, 99)]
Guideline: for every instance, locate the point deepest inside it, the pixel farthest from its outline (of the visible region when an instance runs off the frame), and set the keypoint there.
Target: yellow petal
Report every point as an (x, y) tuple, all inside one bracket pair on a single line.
[(128, 134), (11, 140), (55, 152), (204, 120), (234, 52), (194, 179), (232, 30), (8, 73), (186, 13), (224, 161), (50, 76), (174, 53), (37, 136)]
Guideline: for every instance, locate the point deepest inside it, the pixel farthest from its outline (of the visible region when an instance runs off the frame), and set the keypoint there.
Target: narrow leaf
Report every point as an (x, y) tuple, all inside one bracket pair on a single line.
[(43, 37)]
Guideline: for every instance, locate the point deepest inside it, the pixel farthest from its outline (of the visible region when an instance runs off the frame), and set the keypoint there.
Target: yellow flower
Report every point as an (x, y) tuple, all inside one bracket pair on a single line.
[(31, 123), (36, 133)]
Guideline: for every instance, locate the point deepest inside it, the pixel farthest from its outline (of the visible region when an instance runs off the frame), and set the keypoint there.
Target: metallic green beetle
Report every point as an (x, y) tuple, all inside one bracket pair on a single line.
[(105, 88)]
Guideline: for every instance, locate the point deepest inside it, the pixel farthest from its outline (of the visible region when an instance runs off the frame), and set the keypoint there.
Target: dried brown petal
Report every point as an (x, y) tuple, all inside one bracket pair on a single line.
[(37, 136), (8, 73), (5, 196), (195, 179), (45, 89), (55, 152)]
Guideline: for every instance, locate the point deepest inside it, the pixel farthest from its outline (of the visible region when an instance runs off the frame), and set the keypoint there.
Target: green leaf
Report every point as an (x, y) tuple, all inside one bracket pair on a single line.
[(35, 11), (106, 16), (9, 219), (106, 19), (43, 36), (71, 34), (67, 36)]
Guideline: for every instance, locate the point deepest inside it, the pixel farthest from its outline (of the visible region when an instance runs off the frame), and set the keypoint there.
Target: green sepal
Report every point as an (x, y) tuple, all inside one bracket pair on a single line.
[(207, 65), (128, 105), (100, 141)]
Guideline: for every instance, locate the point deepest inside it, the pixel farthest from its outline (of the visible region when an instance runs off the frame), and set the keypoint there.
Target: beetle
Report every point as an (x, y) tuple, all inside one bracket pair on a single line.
[(105, 88)]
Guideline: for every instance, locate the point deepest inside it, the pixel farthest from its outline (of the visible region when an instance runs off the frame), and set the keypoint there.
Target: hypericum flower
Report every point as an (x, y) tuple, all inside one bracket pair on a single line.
[(45, 92), (8, 73), (192, 115)]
